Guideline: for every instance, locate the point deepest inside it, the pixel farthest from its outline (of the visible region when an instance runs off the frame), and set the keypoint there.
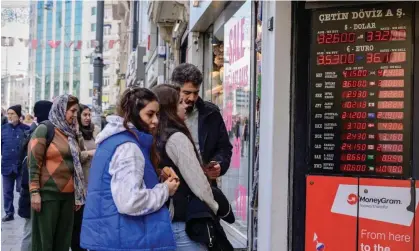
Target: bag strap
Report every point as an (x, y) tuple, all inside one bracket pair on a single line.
[(50, 132)]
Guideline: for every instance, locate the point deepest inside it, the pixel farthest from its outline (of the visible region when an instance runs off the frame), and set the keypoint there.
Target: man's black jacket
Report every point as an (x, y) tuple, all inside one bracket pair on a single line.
[(214, 143)]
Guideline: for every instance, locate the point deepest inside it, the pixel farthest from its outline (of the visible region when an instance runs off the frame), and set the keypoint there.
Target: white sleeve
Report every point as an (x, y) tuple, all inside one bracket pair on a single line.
[(129, 193), (181, 151)]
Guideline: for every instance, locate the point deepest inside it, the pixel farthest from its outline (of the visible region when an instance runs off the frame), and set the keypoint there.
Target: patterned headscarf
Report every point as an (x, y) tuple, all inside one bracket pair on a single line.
[(57, 118)]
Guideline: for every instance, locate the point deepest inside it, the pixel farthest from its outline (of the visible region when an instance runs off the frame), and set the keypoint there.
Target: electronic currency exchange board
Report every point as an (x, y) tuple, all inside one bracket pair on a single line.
[(360, 90)]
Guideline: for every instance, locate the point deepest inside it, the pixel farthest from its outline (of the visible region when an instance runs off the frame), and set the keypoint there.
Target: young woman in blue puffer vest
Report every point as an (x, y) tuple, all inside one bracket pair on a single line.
[(125, 205)]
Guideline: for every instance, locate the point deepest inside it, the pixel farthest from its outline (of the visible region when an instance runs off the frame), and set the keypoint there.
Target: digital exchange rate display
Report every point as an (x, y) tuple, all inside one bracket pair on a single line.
[(361, 82)]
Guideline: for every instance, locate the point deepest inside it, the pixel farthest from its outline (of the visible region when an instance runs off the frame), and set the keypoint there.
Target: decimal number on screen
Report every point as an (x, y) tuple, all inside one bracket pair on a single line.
[(390, 136), (385, 57), (389, 169), (355, 73), (353, 157), (353, 168), (354, 94), (354, 115), (354, 104), (354, 136), (336, 59), (385, 35), (355, 126), (353, 147), (390, 104), (390, 73), (393, 83), (398, 148), (390, 158), (336, 38), (391, 94), (390, 115), (390, 126), (354, 84)]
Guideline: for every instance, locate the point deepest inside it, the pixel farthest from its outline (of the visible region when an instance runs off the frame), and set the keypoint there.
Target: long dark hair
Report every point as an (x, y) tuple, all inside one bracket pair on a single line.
[(133, 100), (169, 98), (86, 131)]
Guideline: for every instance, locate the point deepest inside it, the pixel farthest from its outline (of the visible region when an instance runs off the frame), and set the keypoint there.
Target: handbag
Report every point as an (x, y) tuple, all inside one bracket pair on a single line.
[(203, 226)]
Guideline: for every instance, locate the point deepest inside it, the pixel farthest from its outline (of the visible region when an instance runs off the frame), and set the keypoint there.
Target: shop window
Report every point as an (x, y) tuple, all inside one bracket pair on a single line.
[(93, 27), (228, 86)]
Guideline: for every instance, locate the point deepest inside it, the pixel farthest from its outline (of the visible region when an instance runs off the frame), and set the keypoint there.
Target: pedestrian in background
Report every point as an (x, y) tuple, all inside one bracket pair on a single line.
[(12, 135), (56, 178), (125, 207), (204, 121), (41, 111), (87, 136)]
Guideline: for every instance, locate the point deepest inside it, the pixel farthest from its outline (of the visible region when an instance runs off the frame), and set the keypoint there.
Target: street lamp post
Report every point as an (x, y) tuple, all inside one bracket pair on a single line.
[(98, 64)]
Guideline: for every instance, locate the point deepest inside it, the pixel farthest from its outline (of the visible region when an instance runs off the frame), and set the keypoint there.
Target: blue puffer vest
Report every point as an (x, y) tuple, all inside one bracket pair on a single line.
[(103, 228)]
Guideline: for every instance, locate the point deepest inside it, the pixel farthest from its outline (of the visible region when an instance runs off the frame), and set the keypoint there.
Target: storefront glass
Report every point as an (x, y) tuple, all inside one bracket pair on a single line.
[(232, 65)]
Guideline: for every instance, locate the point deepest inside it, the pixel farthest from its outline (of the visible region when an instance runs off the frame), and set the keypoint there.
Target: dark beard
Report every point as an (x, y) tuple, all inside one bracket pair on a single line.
[(189, 109)]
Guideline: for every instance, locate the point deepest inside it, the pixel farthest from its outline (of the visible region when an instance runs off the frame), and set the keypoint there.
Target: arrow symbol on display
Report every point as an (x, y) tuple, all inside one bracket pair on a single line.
[(372, 94), (359, 57), (371, 104), (371, 136)]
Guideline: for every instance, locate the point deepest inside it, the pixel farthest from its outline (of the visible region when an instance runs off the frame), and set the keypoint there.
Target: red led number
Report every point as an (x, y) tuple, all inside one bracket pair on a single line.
[(390, 137), (386, 57), (390, 148), (335, 38), (353, 168), (391, 83), (390, 158), (385, 35), (354, 104), (389, 169), (390, 115), (354, 94), (335, 59), (354, 136), (390, 126), (354, 84), (353, 147), (355, 126), (355, 73), (391, 73), (390, 104)]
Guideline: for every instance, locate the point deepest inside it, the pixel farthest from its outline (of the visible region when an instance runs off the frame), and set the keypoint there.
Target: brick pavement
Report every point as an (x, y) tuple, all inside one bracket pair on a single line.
[(11, 232)]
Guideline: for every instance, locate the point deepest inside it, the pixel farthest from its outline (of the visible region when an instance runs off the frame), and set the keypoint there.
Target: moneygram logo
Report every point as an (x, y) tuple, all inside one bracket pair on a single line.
[(352, 199), (379, 201)]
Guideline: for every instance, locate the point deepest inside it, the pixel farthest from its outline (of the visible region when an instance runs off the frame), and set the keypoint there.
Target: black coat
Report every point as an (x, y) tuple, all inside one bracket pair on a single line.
[(214, 143)]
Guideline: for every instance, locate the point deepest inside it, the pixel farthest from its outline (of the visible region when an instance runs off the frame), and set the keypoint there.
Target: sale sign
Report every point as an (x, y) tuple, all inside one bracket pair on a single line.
[(351, 214)]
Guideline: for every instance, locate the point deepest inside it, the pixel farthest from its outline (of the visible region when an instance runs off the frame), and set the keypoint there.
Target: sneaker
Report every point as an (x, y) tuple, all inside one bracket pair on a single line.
[(7, 218)]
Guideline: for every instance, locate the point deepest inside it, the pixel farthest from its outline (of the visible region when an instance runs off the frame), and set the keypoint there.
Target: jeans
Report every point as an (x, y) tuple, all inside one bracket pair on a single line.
[(182, 239), (9, 182), (27, 236)]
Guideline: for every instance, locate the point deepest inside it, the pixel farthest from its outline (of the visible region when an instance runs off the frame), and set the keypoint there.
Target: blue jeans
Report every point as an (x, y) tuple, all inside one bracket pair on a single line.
[(27, 236), (9, 182), (182, 239)]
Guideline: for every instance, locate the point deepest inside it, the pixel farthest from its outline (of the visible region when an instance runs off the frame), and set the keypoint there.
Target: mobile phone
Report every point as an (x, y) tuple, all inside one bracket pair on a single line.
[(212, 164)]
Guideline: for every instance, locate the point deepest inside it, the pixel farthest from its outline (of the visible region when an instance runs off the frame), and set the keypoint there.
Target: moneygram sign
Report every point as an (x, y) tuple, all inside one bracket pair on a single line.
[(378, 201), (374, 203)]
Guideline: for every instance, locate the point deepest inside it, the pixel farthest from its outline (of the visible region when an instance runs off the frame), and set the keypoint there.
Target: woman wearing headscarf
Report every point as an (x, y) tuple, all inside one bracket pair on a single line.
[(56, 177), (87, 136)]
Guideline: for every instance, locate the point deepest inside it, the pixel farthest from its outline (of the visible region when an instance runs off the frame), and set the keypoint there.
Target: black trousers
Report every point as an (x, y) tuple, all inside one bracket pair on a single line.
[(75, 240)]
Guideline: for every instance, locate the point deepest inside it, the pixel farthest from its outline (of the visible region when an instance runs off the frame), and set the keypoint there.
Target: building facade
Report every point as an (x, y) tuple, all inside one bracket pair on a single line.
[(55, 57)]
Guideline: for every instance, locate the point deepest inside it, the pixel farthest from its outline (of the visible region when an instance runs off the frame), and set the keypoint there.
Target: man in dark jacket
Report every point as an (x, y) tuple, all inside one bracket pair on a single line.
[(12, 135), (41, 111), (204, 122)]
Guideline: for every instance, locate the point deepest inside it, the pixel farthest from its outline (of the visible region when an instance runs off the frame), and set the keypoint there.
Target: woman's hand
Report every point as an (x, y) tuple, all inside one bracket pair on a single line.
[(172, 184), (91, 153), (77, 207), (36, 202)]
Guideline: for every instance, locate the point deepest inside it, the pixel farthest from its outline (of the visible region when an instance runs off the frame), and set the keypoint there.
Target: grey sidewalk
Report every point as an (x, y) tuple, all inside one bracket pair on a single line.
[(11, 232)]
